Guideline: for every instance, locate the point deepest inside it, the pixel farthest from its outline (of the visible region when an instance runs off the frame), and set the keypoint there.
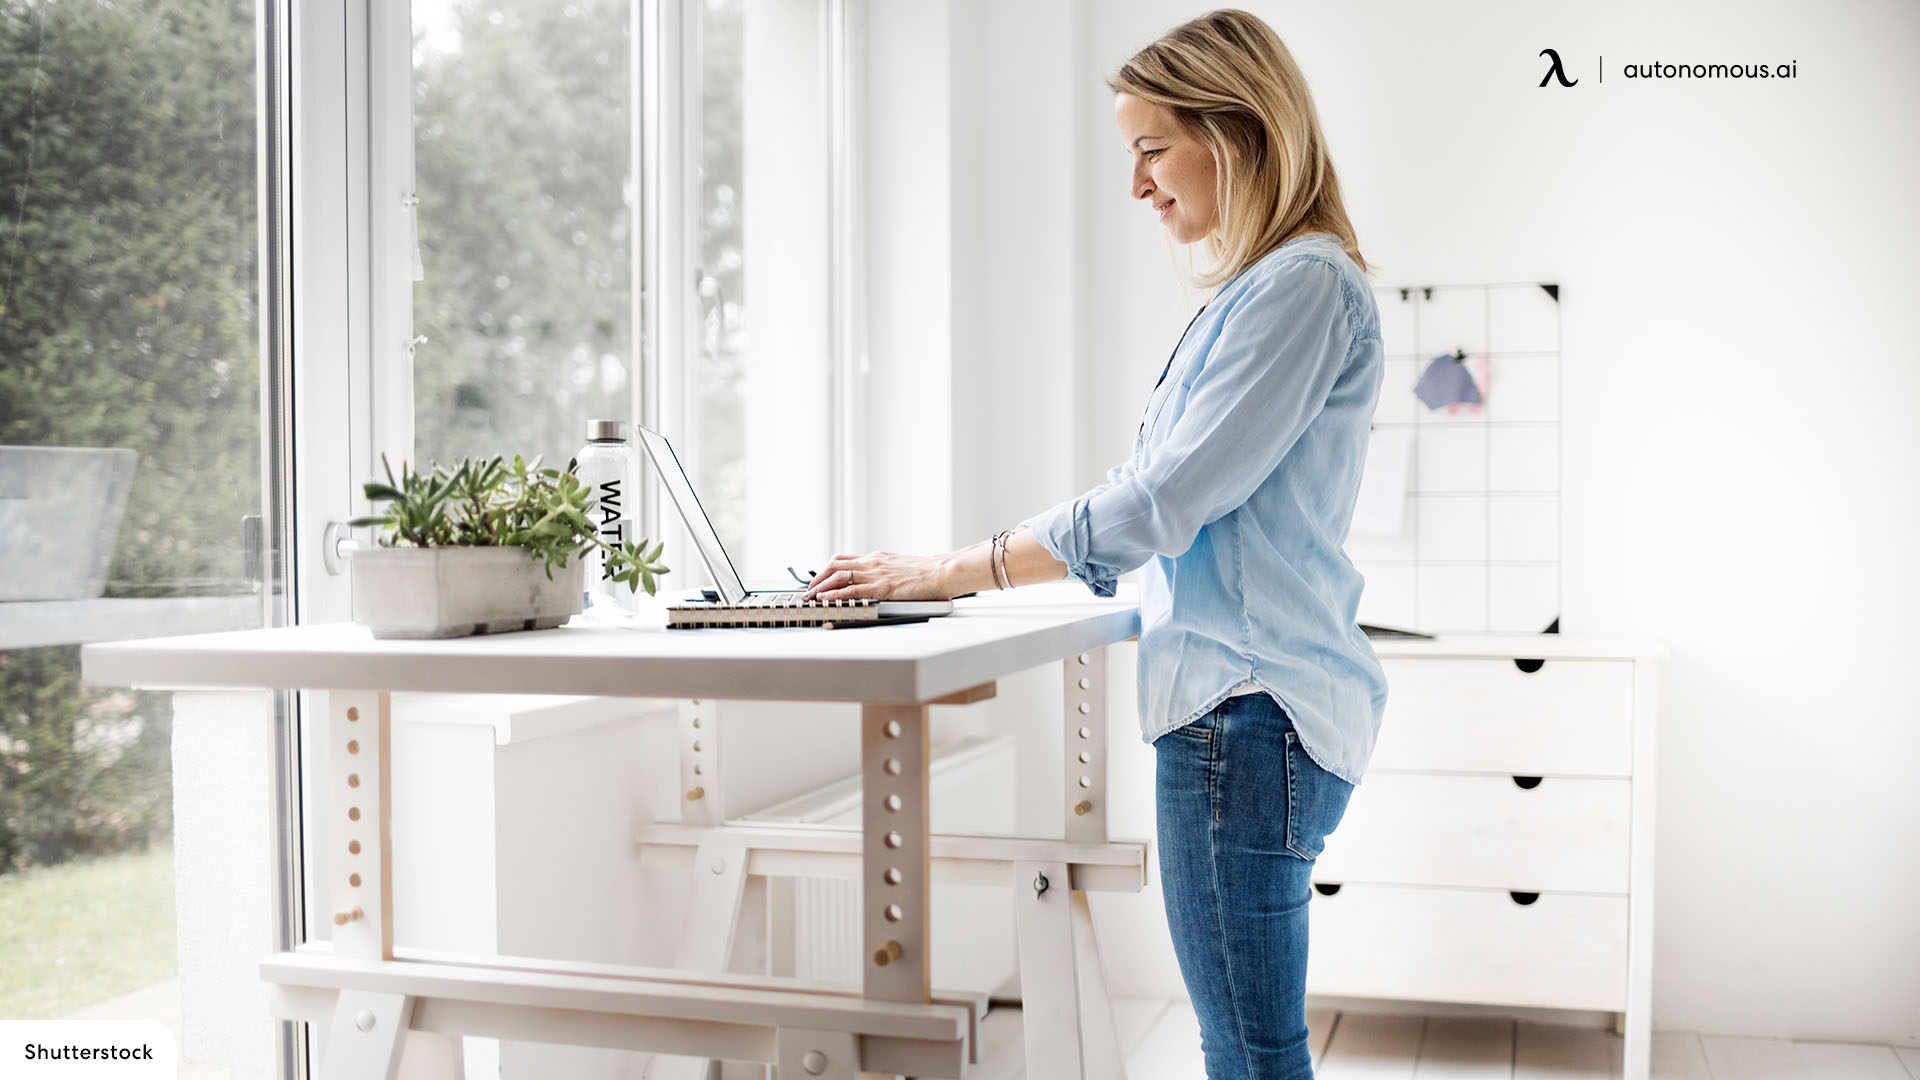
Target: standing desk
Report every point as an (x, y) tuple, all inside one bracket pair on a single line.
[(369, 994)]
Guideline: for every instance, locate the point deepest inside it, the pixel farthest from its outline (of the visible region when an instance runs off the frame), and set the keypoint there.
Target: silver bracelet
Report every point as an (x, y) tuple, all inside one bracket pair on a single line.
[(1004, 573), (995, 559)]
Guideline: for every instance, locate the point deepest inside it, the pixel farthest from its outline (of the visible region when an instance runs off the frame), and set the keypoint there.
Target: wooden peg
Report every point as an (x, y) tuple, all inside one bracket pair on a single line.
[(887, 953), (342, 918)]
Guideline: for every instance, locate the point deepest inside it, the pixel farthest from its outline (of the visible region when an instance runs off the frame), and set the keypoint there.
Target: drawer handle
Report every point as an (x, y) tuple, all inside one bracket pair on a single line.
[(1526, 783), (1528, 667), (1523, 898), (1326, 888)]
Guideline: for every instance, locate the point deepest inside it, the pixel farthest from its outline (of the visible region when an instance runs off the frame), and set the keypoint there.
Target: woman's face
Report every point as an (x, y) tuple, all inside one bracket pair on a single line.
[(1172, 169)]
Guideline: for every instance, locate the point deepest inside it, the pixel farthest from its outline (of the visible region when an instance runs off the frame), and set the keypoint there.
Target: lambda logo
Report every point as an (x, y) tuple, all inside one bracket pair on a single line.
[(1554, 71)]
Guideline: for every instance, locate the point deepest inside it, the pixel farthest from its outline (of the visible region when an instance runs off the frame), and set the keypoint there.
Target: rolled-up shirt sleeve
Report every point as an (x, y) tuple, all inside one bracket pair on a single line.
[(1268, 373)]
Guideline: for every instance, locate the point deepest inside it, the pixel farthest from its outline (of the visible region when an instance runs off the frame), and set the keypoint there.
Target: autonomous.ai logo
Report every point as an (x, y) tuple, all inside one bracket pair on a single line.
[(1554, 70)]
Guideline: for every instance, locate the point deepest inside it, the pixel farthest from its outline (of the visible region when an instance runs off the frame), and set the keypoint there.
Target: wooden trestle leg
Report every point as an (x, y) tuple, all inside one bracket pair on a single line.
[(368, 1028)]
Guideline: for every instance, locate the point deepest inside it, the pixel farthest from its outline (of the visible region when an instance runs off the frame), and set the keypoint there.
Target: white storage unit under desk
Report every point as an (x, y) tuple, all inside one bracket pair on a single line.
[(1499, 850)]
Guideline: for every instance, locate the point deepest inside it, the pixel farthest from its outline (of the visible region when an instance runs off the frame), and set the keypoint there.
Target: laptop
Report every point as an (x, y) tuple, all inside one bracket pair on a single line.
[(728, 588)]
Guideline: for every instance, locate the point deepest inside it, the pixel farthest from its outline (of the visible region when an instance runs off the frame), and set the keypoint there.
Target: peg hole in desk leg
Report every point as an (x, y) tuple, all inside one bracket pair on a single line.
[(1326, 888), (894, 914), (353, 712), (1526, 783), (353, 847), (893, 840), (353, 880), (353, 779), (892, 729), (892, 803), (1523, 898), (353, 813), (892, 766), (697, 770), (696, 746), (353, 746), (892, 876)]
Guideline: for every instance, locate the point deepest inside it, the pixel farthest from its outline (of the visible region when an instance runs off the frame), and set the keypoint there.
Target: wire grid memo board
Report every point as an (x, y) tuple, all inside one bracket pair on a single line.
[(1479, 544)]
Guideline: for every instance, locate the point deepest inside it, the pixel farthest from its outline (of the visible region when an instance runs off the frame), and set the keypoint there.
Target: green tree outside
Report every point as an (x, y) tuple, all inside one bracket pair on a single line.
[(128, 318)]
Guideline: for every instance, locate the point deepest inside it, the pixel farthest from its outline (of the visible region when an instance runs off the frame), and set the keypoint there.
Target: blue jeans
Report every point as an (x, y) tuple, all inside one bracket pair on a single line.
[(1243, 812)]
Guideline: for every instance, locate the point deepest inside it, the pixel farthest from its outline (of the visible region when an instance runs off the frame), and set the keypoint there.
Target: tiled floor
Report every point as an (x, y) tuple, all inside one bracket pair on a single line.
[(1161, 1041)]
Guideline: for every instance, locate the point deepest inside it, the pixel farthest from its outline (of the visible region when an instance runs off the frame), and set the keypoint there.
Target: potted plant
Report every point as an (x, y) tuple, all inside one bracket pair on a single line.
[(484, 547)]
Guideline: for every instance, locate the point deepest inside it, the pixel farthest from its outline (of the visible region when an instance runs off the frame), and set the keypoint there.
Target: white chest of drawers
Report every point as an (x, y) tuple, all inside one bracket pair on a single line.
[(1499, 850)]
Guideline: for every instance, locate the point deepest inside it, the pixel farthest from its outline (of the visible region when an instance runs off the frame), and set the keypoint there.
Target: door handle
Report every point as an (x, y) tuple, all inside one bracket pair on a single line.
[(337, 545)]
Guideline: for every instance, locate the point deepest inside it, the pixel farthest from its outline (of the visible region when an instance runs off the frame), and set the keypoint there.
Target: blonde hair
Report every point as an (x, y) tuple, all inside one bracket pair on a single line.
[(1231, 82)]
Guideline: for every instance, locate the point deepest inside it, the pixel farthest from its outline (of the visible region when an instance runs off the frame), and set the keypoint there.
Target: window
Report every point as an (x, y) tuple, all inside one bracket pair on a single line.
[(524, 121), (759, 427), (130, 408), (522, 113)]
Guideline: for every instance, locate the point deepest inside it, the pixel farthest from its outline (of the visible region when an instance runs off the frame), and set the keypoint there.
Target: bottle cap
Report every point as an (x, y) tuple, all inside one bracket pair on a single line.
[(606, 431)]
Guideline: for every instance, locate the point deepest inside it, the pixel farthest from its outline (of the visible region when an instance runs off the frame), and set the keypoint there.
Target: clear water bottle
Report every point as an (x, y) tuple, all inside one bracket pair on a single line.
[(606, 467)]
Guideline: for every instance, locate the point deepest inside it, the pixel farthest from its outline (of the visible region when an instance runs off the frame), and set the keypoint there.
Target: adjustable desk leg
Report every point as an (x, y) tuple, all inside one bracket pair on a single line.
[(1085, 759), (1063, 987), (356, 802), (1099, 1035), (894, 852), (1049, 983), (719, 872), (368, 1028)]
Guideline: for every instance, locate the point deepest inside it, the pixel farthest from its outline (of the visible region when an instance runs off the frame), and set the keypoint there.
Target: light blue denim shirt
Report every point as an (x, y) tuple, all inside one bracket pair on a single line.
[(1237, 500)]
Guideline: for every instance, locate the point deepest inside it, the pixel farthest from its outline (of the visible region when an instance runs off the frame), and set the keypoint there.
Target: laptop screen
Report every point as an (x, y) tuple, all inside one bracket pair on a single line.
[(666, 463)]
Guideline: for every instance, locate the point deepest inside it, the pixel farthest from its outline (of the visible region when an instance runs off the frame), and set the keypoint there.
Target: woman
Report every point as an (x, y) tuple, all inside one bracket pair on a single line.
[(1258, 691)]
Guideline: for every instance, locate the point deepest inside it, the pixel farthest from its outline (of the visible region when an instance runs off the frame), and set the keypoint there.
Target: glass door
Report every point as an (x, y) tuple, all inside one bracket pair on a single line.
[(137, 495)]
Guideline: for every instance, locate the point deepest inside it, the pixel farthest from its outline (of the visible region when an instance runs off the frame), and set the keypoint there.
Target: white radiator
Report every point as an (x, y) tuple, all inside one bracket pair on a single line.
[(814, 923)]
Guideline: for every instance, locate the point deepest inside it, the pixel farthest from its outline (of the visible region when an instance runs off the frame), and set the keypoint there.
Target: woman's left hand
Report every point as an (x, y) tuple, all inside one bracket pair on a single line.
[(882, 575)]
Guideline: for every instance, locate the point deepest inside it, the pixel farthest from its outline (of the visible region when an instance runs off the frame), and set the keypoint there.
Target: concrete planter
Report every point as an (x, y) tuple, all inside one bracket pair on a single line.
[(410, 592), (60, 511)]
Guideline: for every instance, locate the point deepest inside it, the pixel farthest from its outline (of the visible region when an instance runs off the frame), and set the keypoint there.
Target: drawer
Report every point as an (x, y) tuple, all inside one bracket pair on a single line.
[(1569, 718), (1566, 835), (1469, 945)]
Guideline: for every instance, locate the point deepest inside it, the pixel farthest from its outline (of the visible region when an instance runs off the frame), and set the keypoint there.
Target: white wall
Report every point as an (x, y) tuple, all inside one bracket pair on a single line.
[(1742, 475)]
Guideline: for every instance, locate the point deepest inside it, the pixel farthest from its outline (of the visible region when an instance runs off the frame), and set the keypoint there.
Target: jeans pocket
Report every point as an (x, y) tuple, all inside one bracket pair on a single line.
[(1199, 731), (1316, 800)]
